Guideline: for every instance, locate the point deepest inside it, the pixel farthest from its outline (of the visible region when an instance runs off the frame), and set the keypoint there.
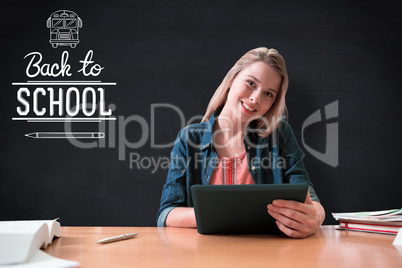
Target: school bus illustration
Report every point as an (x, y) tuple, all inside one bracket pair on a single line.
[(64, 28)]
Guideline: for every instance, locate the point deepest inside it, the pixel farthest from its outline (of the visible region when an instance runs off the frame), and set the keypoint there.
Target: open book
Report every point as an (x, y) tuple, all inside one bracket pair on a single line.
[(20, 241)]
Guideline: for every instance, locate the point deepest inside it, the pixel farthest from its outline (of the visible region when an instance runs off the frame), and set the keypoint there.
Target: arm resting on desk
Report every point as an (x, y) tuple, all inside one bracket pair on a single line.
[(313, 217), (181, 217)]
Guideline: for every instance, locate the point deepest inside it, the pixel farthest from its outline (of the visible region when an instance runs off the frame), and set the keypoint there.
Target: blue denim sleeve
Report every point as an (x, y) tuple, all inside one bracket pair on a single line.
[(174, 191), (294, 170)]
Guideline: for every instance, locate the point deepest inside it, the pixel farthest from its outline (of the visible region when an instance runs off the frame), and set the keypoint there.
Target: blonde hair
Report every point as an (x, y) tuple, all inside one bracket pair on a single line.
[(269, 122)]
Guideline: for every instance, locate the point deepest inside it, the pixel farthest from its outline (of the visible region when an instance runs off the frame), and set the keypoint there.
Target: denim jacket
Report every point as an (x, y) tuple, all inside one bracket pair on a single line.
[(274, 159)]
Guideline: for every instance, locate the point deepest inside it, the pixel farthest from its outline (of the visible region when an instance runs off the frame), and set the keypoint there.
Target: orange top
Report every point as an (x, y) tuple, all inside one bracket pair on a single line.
[(232, 170)]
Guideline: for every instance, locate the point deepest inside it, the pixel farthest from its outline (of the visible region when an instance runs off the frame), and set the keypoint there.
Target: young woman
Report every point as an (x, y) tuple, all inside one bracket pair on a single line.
[(243, 139)]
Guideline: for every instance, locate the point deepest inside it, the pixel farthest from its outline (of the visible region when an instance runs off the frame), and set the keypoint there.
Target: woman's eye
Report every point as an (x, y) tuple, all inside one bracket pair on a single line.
[(269, 94), (251, 83)]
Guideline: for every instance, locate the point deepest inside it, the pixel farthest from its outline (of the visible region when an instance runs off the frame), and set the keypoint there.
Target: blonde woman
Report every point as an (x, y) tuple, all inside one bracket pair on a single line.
[(243, 139)]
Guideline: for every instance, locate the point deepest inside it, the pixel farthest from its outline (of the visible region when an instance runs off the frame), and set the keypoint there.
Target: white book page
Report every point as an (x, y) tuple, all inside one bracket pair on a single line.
[(43, 260), (19, 240)]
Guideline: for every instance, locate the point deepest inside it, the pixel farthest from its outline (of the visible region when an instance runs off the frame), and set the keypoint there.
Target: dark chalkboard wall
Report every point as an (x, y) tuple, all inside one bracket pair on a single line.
[(167, 58)]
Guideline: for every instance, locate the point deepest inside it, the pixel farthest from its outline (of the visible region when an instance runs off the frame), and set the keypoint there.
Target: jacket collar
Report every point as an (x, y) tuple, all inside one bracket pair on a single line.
[(207, 136), (207, 141)]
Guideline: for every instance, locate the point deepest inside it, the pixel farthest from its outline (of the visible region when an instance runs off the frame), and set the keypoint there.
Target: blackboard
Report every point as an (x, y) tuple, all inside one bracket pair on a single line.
[(160, 62)]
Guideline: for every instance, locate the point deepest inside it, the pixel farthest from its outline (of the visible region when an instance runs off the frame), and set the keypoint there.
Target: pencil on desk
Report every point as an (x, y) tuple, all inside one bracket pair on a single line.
[(66, 135)]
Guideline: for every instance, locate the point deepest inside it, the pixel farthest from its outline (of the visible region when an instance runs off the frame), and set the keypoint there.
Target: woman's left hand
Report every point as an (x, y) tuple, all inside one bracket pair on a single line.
[(295, 219)]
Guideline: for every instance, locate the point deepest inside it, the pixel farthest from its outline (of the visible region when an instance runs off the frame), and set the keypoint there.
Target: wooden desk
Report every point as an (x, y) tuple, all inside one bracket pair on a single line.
[(177, 247)]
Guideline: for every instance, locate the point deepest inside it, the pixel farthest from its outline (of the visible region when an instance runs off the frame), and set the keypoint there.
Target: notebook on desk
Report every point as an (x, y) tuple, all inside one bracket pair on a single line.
[(240, 209)]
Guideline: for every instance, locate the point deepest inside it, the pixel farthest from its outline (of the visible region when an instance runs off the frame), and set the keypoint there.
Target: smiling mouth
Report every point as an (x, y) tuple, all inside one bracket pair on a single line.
[(248, 107)]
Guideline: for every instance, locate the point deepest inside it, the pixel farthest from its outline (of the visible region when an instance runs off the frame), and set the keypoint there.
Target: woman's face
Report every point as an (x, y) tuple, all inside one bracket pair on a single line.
[(253, 91)]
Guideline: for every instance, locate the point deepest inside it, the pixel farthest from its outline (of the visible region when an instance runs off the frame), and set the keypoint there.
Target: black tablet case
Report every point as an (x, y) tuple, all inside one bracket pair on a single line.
[(240, 209)]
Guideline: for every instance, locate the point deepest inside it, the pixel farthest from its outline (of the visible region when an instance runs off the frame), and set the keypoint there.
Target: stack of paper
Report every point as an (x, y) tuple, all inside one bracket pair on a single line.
[(385, 221)]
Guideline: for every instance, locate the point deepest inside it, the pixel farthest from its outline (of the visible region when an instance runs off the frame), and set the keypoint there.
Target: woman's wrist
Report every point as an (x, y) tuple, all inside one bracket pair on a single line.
[(320, 212)]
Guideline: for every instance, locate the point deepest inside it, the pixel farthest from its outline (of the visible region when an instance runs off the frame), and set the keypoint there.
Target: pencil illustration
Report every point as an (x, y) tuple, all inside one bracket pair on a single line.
[(66, 135)]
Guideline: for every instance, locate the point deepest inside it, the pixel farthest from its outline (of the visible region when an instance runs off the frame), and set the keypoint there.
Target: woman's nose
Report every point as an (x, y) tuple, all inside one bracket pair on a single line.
[(255, 97)]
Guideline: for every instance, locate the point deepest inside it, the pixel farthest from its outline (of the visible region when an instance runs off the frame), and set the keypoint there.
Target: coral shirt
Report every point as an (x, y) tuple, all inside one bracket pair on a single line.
[(232, 170)]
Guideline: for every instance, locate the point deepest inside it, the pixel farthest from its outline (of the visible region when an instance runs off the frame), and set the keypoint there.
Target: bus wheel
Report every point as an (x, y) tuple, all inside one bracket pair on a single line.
[(54, 45), (73, 45)]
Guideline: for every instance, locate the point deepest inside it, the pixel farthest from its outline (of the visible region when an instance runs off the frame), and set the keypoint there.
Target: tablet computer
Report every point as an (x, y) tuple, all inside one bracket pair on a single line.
[(240, 209)]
